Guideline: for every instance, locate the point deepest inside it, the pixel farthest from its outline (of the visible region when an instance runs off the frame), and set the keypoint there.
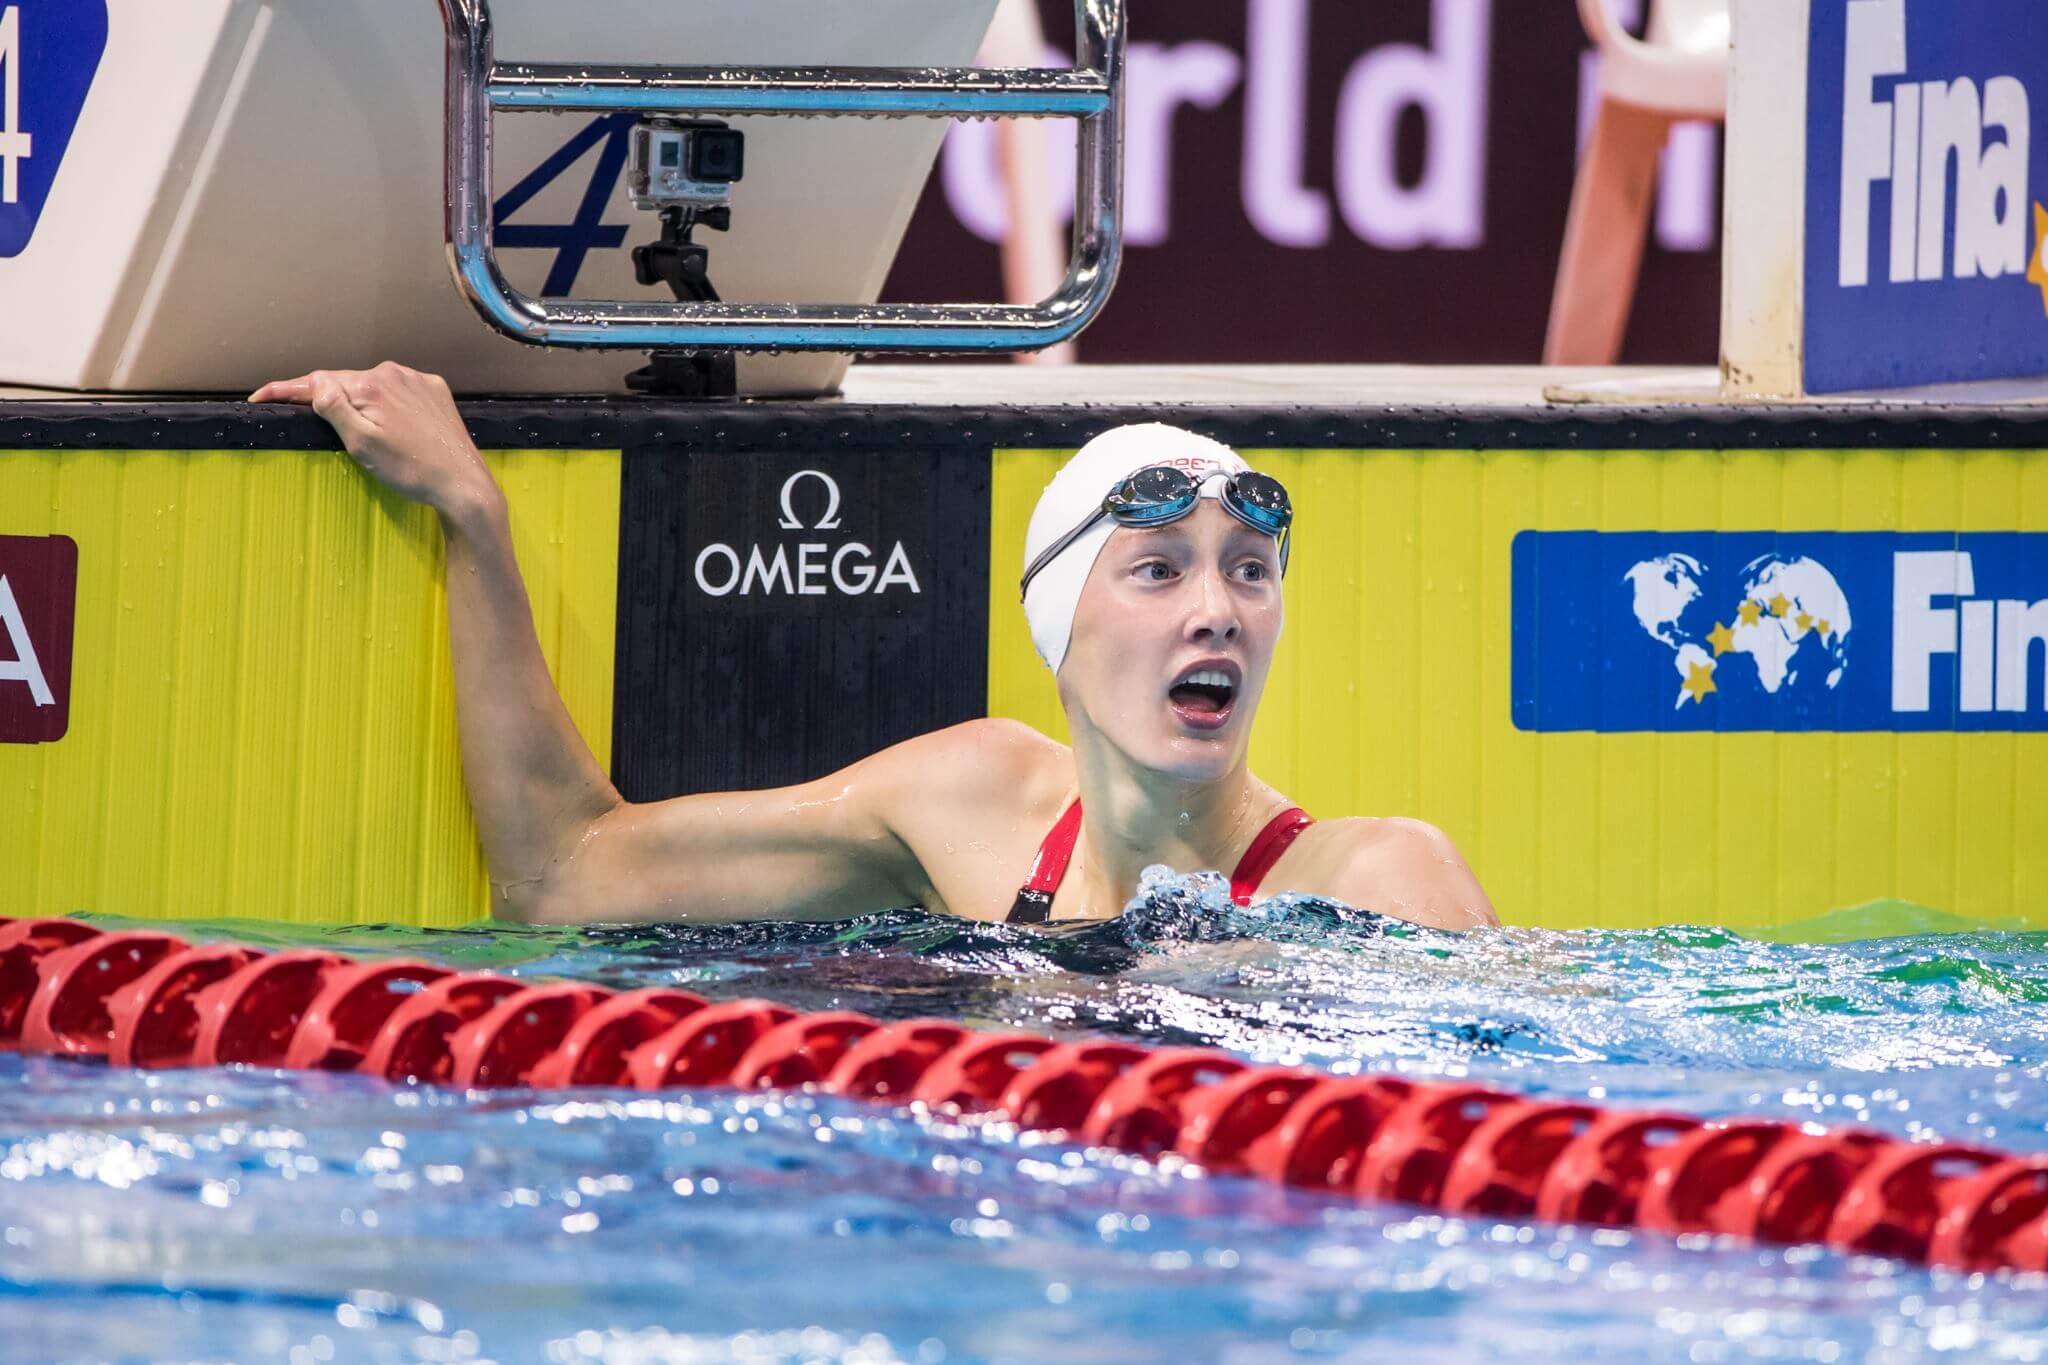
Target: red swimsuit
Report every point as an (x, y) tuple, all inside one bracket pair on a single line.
[(1034, 902)]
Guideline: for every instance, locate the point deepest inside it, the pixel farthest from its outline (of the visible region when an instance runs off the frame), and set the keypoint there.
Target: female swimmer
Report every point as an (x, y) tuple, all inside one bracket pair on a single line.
[(1153, 568)]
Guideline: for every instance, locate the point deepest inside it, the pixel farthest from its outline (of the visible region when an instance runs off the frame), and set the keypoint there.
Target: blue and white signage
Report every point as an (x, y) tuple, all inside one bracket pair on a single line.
[(1767, 630), (49, 51), (1926, 172)]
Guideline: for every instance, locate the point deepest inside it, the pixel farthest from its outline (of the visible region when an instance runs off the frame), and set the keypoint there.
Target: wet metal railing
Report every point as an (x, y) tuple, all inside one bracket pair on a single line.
[(1092, 93)]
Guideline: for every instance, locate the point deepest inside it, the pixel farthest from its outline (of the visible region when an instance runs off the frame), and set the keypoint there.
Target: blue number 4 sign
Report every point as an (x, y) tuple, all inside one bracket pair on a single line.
[(571, 241), (49, 53)]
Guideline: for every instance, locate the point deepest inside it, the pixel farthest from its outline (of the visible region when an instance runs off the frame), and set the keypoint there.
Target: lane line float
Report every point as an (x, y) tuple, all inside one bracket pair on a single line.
[(146, 999)]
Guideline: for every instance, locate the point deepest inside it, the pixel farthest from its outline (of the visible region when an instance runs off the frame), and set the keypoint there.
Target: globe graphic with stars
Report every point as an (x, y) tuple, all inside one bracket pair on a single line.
[(1784, 628)]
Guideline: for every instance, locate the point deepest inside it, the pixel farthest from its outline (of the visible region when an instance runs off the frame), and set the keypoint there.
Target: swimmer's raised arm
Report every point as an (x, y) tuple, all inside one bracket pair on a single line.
[(562, 845), (532, 780)]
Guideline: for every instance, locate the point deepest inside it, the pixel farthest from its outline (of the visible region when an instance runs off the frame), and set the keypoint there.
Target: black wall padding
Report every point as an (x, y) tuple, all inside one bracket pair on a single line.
[(766, 685), (797, 425)]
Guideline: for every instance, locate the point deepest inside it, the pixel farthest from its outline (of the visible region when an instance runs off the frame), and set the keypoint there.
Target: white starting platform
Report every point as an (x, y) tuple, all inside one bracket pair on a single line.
[(203, 195)]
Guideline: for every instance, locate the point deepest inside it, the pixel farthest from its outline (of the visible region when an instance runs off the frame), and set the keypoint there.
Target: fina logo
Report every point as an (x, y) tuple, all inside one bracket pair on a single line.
[(1910, 141), (1732, 631), (816, 569), (1791, 621)]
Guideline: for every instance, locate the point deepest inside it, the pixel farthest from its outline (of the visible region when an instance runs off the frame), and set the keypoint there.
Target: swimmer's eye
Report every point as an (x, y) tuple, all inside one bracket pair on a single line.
[(1255, 571), (1154, 571)]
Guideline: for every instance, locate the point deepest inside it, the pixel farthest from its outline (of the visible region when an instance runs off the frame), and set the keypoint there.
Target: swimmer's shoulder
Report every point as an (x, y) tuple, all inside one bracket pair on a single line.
[(979, 765), (968, 805), (1394, 865)]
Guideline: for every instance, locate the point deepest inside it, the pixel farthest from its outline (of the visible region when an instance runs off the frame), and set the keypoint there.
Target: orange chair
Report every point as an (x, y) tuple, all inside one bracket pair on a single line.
[(1679, 72)]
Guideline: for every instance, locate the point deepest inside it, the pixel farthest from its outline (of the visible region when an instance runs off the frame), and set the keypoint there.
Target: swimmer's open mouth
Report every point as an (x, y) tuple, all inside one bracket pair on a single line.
[(1205, 694)]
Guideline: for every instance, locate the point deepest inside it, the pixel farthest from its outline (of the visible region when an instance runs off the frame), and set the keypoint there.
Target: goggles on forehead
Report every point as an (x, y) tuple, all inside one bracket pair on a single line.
[(1163, 494)]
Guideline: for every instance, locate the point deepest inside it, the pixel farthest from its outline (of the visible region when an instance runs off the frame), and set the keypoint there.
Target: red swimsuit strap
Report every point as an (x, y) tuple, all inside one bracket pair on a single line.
[(1034, 902), (1275, 839)]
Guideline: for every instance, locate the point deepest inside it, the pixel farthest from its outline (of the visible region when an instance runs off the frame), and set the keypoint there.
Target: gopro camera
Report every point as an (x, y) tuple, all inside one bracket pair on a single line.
[(674, 164)]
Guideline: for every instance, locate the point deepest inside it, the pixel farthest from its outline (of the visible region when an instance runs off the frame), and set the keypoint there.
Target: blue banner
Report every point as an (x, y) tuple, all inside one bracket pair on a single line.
[(1926, 171), (1765, 630), (49, 51)]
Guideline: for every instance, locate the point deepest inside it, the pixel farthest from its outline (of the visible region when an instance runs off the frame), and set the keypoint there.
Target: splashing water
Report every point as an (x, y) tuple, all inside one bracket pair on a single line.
[(244, 1213)]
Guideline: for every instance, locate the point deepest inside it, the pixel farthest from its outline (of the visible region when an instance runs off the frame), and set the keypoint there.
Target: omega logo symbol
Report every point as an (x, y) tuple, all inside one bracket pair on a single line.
[(790, 521), (805, 568)]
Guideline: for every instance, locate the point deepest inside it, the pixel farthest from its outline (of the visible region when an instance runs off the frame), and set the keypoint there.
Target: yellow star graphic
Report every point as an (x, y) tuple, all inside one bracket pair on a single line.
[(1803, 621), (1749, 613), (2037, 267), (1721, 638), (1779, 605), (1824, 628), (1699, 680)]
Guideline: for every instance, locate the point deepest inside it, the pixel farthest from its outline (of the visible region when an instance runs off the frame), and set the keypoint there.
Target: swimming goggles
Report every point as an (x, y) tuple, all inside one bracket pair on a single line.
[(1162, 494)]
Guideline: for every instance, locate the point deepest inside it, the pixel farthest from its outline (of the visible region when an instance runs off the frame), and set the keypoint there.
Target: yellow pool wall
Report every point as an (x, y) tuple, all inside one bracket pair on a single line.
[(266, 726)]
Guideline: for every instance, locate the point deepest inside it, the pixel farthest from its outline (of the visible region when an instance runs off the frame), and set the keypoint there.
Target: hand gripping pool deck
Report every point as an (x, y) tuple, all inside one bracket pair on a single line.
[(152, 1000)]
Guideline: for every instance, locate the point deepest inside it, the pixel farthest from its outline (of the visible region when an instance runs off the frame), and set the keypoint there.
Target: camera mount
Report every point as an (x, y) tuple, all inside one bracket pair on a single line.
[(685, 169), (685, 267)]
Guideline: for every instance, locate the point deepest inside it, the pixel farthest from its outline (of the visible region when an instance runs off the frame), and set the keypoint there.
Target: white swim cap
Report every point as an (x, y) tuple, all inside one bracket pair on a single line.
[(1076, 492)]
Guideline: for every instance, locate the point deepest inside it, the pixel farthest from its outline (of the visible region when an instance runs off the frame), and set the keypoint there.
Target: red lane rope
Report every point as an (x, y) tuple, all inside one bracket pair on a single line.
[(146, 999)]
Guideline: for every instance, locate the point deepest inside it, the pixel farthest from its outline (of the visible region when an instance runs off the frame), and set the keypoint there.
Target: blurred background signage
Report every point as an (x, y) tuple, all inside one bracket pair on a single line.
[(1323, 180)]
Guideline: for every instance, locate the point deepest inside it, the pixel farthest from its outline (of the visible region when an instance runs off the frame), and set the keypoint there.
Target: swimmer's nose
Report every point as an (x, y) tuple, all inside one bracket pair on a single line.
[(1214, 613)]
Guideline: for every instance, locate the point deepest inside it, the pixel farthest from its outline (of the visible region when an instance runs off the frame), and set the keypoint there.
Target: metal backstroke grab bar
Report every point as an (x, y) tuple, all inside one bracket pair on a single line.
[(478, 86)]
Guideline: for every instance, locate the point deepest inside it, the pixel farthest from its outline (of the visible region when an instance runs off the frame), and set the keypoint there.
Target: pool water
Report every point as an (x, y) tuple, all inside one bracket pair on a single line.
[(244, 1214)]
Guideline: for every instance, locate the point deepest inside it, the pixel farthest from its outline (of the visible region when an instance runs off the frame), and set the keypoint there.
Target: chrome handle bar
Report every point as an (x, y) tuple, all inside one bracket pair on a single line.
[(1092, 93)]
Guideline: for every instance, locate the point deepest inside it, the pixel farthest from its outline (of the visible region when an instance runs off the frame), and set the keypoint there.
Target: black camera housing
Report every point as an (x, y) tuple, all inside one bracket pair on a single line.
[(718, 156)]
